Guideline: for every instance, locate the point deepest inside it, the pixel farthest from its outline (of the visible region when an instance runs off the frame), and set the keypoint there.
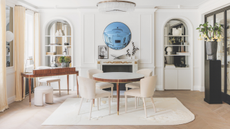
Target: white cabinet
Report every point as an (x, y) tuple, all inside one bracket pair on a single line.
[(177, 78)]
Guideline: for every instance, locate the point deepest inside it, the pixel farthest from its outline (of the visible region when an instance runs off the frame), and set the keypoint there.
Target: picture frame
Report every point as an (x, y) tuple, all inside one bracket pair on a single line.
[(103, 52)]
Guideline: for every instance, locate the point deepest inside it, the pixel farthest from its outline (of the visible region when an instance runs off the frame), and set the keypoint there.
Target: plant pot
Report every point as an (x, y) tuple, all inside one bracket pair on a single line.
[(67, 64), (63, 65), (211, 49)]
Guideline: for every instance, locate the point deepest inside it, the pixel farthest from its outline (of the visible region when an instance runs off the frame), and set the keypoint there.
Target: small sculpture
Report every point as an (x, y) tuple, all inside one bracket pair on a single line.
[(128, 54), (134, 49)]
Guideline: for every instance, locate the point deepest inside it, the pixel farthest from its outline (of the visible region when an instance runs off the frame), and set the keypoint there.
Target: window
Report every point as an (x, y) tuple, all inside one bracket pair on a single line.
[(29, 34), (9, 44)]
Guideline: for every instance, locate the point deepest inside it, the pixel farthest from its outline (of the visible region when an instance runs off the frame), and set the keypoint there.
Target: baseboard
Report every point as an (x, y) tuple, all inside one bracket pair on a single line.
[(198, 88), (10, 99), (159, 88)]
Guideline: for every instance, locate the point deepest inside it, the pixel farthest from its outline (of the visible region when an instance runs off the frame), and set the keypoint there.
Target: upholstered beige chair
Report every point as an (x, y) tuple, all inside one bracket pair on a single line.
[(100, 85), (146, 90), (133, 85), (49, 80), (89, 92)]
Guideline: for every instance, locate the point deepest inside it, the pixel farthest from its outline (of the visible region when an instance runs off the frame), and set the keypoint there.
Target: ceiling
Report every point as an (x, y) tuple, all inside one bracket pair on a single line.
[(47, 4)]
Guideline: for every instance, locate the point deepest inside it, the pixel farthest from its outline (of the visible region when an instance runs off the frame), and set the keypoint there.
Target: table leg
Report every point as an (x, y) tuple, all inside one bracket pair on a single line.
[(118, 97), (22, 86), (77, 86), (68, 84), (30, 91)]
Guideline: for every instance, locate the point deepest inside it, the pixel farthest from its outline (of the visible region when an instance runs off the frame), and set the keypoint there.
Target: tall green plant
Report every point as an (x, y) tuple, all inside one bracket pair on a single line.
[(209, 32)]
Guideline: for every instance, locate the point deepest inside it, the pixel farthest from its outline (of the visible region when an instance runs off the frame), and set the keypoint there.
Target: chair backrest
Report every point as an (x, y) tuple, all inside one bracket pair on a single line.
[(147, 86), (87, 87), (146, 72), (91, 72)]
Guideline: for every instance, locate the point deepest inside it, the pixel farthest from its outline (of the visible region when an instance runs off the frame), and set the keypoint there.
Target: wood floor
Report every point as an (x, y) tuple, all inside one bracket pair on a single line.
[(22, 116)]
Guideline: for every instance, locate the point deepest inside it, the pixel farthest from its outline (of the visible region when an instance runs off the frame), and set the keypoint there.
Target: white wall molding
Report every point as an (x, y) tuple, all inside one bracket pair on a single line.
[(10, 99), (198, 88)]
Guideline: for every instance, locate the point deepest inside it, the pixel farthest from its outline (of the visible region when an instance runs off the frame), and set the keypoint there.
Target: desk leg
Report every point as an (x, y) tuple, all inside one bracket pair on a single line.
[(77, 86), (118, 97), (22, 86), (30, 91), (68, 84)]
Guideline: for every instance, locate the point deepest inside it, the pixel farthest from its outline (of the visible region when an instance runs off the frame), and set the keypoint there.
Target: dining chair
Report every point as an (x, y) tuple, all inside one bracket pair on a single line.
[(146, 90), (49, 80), (100, 85), (133, 85), (89, 92)]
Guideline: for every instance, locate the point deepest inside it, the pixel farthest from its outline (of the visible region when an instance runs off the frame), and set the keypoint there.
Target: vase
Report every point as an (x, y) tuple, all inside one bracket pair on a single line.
[(211, 49), (63, 65)]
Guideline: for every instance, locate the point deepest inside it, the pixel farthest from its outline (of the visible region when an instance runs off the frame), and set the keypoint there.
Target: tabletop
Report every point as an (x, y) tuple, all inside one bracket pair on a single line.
[(121, 76)]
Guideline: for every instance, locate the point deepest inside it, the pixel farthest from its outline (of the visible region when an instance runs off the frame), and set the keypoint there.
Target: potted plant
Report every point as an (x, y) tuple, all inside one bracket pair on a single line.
[(212, 35), (64, 60)]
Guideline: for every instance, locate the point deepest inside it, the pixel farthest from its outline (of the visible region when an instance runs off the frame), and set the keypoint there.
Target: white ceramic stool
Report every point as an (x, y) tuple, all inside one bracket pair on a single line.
[(39, 92)]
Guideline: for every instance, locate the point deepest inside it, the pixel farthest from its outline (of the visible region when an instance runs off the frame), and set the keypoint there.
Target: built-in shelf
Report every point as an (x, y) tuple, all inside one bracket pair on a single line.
[(176, 36), (58, 36), (57, 45), (177, 55), (58, 55), (179, 68), (177, 45)]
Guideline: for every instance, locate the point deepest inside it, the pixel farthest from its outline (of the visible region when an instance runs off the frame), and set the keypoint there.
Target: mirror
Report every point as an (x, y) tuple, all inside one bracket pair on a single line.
[(117, 35)]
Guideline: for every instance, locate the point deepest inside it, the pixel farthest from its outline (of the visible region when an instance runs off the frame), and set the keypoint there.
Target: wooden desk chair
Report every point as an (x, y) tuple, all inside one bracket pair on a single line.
[(49, 80)]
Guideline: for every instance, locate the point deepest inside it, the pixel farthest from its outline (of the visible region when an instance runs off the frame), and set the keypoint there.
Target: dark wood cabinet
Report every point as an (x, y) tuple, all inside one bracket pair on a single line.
[(213, 82)]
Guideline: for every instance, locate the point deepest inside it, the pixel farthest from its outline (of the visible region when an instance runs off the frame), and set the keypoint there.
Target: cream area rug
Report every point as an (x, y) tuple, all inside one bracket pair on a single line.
[(170, 111)]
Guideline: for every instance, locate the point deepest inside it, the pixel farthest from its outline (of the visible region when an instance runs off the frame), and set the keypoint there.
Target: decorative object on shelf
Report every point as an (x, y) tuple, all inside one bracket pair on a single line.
[(182, 53), (66, 43), (170, 66), (64, 60), (177, 32), (117, 35), (55, 44), (212, 35), (65, 52), (135, 49), (169, 50), (9, 36), (50, 53), (29, 66), (116, 6), (103, 52)]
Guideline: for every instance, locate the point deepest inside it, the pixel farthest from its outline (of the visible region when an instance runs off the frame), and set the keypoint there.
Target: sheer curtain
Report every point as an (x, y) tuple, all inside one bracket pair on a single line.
[(3, 91), (19, 41), (37, 43)]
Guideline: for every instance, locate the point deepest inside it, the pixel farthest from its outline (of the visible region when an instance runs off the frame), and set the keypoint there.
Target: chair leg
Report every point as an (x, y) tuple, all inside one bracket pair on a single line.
[(112, 93), (91, 106), (100, 101), (125, 103), (153, 105), (109, 106), (80, 106), (135, 102), (144, 107), (98, 104), (59, 88), (126, 88)]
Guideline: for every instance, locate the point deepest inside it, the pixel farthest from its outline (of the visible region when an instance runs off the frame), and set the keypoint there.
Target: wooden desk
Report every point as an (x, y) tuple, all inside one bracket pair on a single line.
[(49, 72)]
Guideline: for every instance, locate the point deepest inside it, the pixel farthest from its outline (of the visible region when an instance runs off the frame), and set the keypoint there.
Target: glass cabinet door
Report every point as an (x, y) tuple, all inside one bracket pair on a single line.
[(220, 48), (228, 51)]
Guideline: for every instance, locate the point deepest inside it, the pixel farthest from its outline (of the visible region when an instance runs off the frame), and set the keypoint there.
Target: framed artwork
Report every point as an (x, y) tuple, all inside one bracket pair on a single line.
[(103, 52), (117, 35)]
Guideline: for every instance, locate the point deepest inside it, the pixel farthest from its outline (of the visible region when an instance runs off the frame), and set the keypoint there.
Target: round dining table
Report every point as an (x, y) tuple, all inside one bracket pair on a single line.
[(118, 77)]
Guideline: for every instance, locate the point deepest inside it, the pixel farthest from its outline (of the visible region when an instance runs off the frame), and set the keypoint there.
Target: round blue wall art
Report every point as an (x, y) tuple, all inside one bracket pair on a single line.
[(117, 35)]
